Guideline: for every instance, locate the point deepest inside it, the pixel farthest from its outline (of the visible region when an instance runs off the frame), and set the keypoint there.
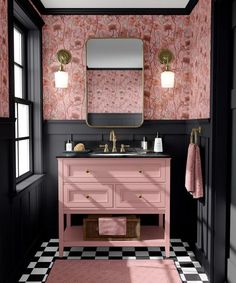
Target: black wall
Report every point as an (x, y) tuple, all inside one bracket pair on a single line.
[(20, 213), (231, 277), (175, 136)]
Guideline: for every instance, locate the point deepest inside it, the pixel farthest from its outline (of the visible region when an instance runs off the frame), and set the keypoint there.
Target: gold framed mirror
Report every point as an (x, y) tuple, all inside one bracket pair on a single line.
[(114, 82)]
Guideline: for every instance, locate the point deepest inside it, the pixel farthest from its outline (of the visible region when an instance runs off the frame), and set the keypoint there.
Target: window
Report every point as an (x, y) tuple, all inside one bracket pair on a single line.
[(23, 107)]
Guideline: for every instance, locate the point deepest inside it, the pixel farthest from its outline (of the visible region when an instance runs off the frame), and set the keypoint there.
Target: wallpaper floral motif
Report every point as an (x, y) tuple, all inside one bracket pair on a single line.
[(178, 33), (200, 65), (4, 92), (114, 91)]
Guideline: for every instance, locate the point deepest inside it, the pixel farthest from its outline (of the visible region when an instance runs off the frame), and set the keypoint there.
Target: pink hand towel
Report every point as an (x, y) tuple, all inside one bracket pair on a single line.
[(112, 226), (193, 176), (190, 170), (198, 191)]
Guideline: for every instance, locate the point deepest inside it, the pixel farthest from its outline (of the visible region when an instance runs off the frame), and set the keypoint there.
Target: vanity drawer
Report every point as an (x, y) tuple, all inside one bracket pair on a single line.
[(88, 195), (92, 169), (140, 195)]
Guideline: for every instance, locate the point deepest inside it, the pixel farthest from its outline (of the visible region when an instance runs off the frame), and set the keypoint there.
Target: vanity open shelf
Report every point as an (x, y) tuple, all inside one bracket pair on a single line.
[(103, 185), (150, 236)]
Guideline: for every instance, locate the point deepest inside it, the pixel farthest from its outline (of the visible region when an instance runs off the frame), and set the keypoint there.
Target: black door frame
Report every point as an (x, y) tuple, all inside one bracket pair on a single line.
[(220, 142)]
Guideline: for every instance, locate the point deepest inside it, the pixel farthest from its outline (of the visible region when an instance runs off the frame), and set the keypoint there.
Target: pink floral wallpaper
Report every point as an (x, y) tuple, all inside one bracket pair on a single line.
[(180, 34), (200, 64), (4, 92), (114, 91)]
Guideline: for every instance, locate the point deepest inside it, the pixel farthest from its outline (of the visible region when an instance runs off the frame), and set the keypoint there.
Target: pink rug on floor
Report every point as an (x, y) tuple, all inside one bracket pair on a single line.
[(113, 271)]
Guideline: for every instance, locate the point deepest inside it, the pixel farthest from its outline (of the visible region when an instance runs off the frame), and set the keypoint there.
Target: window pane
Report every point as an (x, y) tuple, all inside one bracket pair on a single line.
[(24, 157), (17, 46), (18, 82), (16, 122), (17, 169), (23, 120)]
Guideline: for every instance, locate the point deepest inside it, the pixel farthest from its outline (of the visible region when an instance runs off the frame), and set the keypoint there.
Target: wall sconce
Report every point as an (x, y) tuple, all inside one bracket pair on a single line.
[(61, 76), (167, 77)]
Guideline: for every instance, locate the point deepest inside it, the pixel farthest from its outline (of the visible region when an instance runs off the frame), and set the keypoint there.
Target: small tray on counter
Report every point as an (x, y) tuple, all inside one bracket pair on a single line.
[(76, 153)]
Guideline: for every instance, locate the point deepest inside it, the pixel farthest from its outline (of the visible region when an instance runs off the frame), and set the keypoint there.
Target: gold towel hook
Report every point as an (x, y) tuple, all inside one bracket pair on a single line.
[(194, 134)]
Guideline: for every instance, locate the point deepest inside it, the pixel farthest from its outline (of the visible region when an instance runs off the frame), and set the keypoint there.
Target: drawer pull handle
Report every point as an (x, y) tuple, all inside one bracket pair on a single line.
[(87, 171), (140, 171), (87, 196), (140, 196)]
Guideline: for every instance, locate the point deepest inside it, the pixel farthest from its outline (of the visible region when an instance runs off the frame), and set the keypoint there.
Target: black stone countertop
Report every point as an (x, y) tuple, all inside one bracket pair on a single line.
[(113, 155)]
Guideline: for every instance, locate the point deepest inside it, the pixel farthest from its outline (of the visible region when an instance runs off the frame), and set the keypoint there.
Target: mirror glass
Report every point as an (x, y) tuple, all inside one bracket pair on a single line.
[(114, 82)]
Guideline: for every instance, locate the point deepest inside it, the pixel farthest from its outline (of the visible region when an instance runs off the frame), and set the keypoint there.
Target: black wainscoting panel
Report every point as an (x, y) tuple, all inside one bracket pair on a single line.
[(27, 224), (20, 214), (5, 210), (175, 136)]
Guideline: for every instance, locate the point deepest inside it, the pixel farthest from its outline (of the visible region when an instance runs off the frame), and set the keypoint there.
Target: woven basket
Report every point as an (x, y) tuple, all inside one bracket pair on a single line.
[(91, 233)]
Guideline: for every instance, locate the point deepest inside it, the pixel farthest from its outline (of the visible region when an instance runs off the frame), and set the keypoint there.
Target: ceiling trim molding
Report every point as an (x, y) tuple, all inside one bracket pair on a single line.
[(114, 11), (190, 6), (39, 6)]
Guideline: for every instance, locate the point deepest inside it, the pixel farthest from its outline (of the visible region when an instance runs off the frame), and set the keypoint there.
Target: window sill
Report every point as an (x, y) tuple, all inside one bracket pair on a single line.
[(29, 182)]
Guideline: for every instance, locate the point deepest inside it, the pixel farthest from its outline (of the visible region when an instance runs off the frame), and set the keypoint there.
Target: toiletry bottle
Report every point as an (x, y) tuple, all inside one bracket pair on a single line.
[(158, 144), (144, 144), (69, 145)]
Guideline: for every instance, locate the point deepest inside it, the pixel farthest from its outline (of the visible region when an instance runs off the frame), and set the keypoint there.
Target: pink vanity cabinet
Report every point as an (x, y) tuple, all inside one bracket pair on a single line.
[(139, 185)]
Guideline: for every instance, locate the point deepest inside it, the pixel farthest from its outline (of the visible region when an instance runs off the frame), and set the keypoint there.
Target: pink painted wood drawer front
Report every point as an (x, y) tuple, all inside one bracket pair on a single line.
[(88, 195), (76, 170), (140, 195)]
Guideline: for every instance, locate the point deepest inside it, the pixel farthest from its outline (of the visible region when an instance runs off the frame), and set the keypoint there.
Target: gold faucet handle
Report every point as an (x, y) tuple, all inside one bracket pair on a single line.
[(123, 147), (105, 146)]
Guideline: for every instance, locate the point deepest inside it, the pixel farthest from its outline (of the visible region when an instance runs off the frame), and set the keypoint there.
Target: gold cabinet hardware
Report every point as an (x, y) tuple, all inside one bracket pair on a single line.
[(140, 171), (87, 171), (87, 196), (140, 196)]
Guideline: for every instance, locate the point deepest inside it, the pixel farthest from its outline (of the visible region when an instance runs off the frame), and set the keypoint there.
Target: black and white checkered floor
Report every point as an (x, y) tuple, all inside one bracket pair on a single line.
[(189, 269)]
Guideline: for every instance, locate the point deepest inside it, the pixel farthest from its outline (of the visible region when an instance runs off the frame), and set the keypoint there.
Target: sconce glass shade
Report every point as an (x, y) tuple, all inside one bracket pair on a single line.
[(167, 79), (61, 79)]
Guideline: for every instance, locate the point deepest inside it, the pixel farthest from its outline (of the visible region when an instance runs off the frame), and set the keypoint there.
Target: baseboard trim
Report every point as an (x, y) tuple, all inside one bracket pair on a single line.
[(231, 271), (200, 256)]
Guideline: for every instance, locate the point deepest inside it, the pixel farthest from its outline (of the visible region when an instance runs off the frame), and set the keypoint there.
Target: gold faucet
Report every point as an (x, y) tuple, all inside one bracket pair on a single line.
[(113, 139)]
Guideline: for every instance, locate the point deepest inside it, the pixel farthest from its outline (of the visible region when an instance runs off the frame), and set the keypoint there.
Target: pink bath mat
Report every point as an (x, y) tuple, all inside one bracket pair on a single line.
[(113, 271)]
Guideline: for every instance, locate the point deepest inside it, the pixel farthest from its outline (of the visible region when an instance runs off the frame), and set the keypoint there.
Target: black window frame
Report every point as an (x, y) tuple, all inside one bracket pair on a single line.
[(21, 12), (24, 101)]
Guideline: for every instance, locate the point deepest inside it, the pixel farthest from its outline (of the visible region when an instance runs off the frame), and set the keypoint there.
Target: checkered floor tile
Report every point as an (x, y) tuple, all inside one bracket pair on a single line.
[(189, 269)]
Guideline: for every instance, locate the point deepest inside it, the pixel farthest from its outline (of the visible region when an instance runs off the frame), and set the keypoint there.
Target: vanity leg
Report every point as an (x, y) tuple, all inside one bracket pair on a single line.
[(167, 234), (60, 207), (61, 232), (167, 249), (68, 220), (61, 250), (161, 220)]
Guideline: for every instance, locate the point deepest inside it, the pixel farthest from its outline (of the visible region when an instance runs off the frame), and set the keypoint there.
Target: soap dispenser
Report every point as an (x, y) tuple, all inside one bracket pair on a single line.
[(69, 144), (144, 144), (158, 147)]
